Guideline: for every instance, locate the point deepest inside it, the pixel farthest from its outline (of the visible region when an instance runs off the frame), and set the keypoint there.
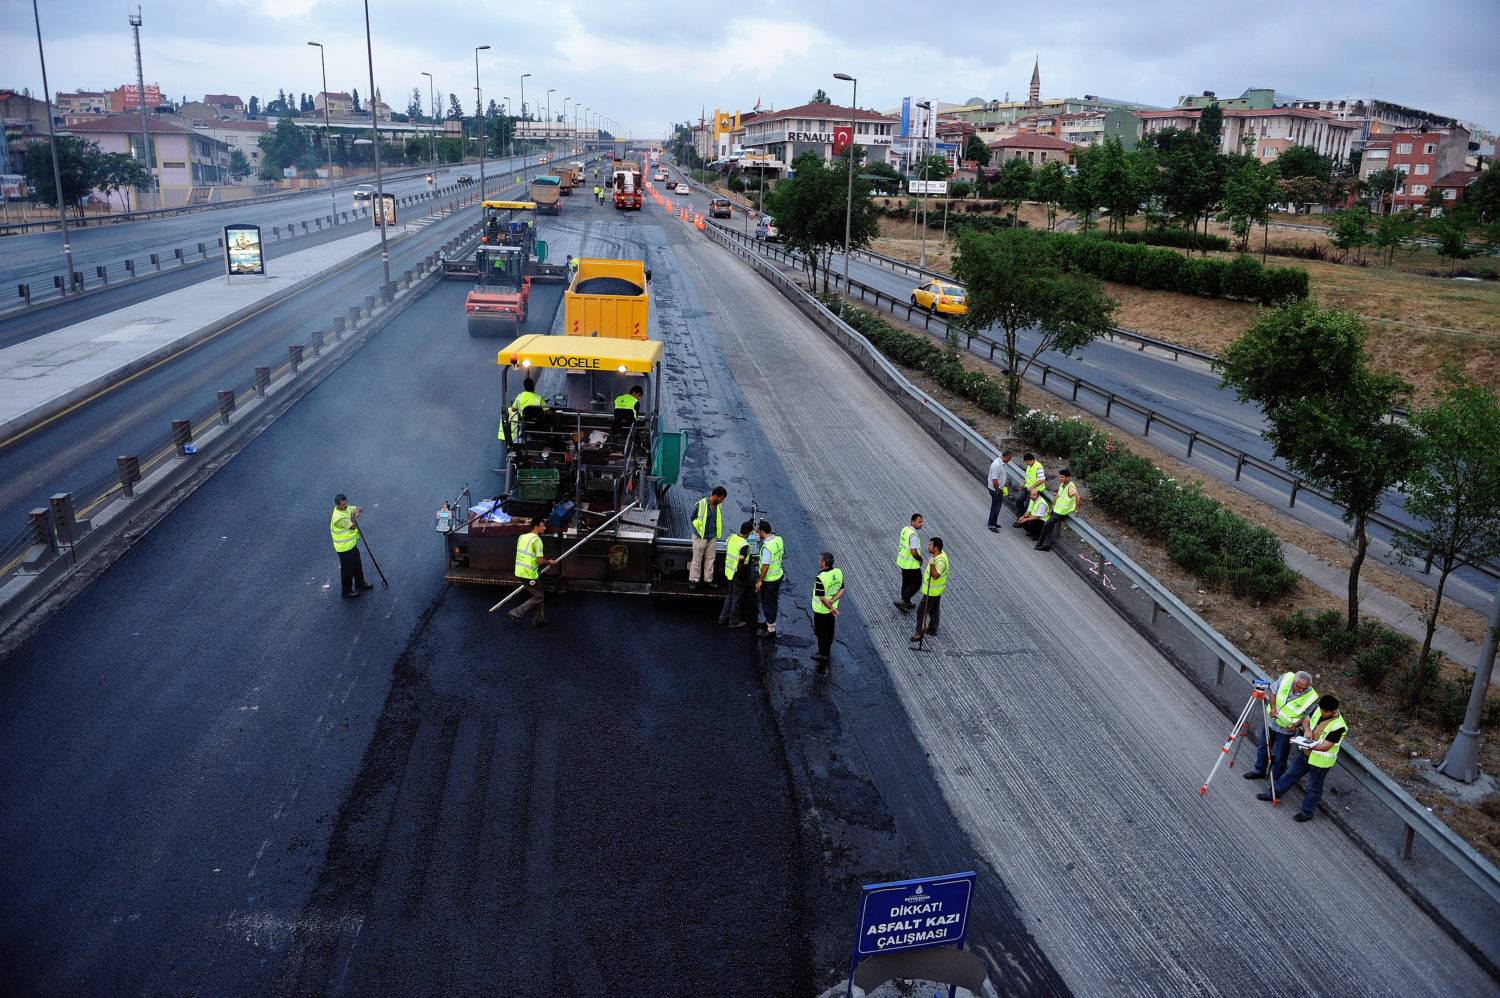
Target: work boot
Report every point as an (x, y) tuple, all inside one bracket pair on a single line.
[(1255, 774), (515, 618), (1303, 816), (1264, 795), (736, 623), (541, 622), (903, 606), (353, 595), (365, 585)]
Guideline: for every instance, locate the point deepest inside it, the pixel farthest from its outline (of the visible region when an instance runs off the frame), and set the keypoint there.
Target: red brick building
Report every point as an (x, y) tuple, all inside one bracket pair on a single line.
[(1426, 155)]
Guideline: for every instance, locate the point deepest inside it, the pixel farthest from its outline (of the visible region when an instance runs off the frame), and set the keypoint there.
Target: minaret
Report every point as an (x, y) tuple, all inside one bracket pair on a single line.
[(1036, 84)]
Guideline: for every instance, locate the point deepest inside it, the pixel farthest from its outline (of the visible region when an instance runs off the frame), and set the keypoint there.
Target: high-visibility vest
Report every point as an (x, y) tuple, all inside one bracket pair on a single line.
[(935, 587), (1038, 508), (833, 581), (771, 549), (523, 401), (345, 533), (1036, 476), (528, 556), (700, 521), (904, 557), (1067, 500), (1325, 759), (733, 548), (627, 401), (1289, 709)]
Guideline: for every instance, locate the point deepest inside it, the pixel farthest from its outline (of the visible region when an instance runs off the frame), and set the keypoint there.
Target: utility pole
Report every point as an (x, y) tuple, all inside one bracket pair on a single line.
[(431, 131), (62, 210), (385, 255), (479, 116), (140, 82), (327, 136)]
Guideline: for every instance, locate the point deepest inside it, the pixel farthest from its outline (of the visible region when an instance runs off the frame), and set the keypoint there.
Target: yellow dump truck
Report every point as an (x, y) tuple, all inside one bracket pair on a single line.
[(567, 177), (608, 299)]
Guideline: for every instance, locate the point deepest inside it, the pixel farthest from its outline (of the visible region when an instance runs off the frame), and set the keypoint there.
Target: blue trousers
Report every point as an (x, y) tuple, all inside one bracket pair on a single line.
[(1315, 777), (770, 595), (997, 502), (1280, 743)]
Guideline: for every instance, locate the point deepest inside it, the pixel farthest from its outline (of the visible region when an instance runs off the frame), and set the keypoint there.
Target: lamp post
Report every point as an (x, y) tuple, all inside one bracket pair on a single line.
[(432, 130), (923, 146), (62, 211), (566, 100), (479, 116), (523, 113), (327, 134), (511, 119), (385, 255), (849, 197), (548, 132)]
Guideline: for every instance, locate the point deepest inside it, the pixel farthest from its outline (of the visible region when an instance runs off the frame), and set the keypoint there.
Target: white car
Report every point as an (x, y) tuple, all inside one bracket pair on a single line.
[(364, 192), (661, 175), (684, 189)]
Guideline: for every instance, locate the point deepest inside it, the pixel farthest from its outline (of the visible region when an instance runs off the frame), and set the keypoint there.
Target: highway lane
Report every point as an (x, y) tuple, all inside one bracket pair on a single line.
[(227, 780)]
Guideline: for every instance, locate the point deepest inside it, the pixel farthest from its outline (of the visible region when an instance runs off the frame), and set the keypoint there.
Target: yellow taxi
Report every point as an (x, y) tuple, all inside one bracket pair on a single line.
[(937, 297)]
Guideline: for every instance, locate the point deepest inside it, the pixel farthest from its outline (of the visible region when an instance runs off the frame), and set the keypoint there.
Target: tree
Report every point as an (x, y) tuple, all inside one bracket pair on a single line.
[(1304, 161), (414, 104), (253, 108), (1117, 183), (1194, 181), (1452, 491), (1302, 190), (932, 167), (1451, 236), (118, 172), (1249, 191), (1211, 125), (1394, 232), (819, 97), (976, 150), (1483, 197), (1379, 185), (355, 95), (1327, 411), (809, 211), (77, 163), (455, 109), (1013, 185), (1048, 184), (239, 165), (1351, 231), (1081, 196), (1014, 279)]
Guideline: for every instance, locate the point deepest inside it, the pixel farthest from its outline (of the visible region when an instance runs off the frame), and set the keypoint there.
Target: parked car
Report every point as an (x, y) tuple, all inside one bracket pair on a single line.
[(364, 192), (938, 297), (766, 230), (720, 208)]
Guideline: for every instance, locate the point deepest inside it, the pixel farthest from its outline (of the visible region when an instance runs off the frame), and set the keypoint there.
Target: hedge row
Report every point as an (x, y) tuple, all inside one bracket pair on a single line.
[(1198, 532), (1167, 270), (1180, 238)]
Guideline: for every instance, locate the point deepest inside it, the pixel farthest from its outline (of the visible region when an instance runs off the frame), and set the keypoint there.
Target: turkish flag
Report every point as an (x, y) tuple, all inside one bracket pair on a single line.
[(842, 139)]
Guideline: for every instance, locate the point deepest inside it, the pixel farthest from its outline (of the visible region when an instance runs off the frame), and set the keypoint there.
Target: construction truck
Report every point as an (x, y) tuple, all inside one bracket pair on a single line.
[(507, 261), (627, 185), (607, 298), (567, 178), (545, 194)]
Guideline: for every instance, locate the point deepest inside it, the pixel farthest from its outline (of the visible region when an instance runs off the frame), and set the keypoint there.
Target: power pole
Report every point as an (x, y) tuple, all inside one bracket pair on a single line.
[(140, 82)]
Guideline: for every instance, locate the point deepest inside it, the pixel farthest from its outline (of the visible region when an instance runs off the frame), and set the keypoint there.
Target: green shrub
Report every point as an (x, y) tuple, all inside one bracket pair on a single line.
[(1328, 620), (1369, 633), (1279, 284), (1337, 643), (1242, 278), (1450, 701), (1372, 665), (1208, 277), (1296, 626), (1180, 238), (1159, 269)]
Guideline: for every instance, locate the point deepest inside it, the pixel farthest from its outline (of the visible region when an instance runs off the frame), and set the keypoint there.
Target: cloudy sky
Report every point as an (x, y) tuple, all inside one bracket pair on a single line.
[(649, 64)]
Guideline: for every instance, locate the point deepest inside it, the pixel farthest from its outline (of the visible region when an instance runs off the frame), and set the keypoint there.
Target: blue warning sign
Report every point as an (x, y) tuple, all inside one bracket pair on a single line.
[(912, 914)]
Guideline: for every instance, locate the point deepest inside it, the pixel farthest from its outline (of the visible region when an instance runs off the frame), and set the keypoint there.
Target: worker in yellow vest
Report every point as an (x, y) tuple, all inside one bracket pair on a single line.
[(708, 528), (1064, 506), (526, 398), (737, 574), (1034, 477), (1288, 702), (1324, 728), (934, 582), (529, 564), (630, 400), (1034, 520), (828, 589), (909, 560), (768, 585), (345, 529)]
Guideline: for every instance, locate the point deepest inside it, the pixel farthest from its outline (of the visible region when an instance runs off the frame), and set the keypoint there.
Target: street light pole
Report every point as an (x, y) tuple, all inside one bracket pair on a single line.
[(385, 255), (548, 133), (511, 118), (62, 210), (479, 116), (922, 263), (564, 133), (432, 127), (849, 197), (523, 113), (333, 201)]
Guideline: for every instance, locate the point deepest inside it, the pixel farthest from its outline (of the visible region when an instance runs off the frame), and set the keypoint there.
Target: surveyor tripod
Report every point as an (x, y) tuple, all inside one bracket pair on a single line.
[(1239, 732)]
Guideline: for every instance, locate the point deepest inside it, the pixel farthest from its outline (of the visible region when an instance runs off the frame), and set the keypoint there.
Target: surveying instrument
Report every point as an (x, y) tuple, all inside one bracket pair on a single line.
[(1259, 695)]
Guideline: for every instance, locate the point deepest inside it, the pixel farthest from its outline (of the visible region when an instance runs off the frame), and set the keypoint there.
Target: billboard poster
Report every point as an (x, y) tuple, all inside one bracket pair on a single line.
[(906, 117), (242, 250), (385, 210)]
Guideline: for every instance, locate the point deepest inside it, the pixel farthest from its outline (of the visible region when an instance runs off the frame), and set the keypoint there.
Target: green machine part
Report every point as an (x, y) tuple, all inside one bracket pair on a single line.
[(666, 457), (541, 251)]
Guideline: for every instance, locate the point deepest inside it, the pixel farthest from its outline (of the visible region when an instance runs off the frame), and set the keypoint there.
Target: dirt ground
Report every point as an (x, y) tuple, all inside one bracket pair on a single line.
[(1397, 744)]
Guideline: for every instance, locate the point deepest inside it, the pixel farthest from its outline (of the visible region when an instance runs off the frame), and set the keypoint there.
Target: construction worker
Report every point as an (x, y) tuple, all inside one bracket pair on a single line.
[(1034, 520), (526, 398), (630, 400), (1035, 477), (529, 563), (1326, 726), (768, 584), (345, 529), (1287, 702), (909, 560), (999, 488), (708, 527), (1063, 507), (828, 588), (572, 268), (934, 581), (737, 575)]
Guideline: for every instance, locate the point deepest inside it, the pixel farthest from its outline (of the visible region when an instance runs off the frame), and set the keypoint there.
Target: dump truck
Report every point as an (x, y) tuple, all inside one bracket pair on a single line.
[(627, 185), (506, 262), (567, 178), (545, 194), (608, 299), (598, 476)]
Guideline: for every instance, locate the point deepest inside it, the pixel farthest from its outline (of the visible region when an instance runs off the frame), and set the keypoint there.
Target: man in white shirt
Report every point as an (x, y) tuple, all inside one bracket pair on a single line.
[(999, 487)]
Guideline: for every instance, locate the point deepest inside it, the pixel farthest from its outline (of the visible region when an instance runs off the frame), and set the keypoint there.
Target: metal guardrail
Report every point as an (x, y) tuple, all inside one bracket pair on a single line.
[(1416, 819), (1149, 417)]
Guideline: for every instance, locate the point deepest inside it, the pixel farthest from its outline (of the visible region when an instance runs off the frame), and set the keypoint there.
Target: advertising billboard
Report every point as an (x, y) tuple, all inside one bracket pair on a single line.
[(243, 253), (385, 210)]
